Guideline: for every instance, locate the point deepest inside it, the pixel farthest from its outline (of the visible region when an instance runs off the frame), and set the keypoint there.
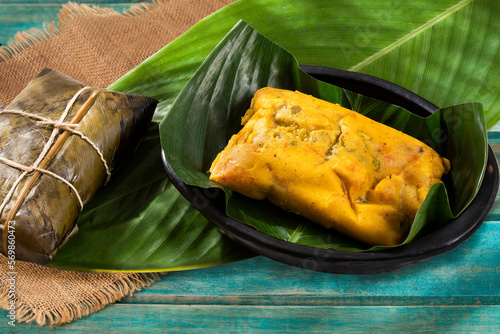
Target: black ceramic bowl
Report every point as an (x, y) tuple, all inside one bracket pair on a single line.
[(211, 201)]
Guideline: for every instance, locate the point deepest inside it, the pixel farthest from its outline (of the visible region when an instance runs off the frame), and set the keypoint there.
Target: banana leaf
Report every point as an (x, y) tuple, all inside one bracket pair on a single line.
[(140, 222), (207, 112), (446, 51), (60, 142)]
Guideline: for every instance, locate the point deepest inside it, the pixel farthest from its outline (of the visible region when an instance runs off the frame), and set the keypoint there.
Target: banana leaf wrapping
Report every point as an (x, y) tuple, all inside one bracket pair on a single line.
[(59, 143)]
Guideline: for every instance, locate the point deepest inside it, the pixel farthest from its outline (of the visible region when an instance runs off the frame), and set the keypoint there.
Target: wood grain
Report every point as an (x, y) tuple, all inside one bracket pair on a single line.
[(23, 15), (123, 318), (455, 292)]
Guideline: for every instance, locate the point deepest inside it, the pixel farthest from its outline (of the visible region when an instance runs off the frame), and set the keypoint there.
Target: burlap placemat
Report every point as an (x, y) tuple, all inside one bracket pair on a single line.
[(96, 46)]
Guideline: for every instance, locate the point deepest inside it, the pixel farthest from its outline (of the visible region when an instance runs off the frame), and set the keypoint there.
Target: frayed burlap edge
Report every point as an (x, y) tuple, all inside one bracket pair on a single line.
[(123, 286), (25, 39), (30, 305)]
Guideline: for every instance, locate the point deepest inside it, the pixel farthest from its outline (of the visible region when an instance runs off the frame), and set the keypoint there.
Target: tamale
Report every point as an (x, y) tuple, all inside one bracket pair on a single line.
[(59, 143), (330, 164)]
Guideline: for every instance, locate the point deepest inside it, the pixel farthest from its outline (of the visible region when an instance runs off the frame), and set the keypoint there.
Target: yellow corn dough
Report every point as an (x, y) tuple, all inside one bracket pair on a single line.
[(330, 164)]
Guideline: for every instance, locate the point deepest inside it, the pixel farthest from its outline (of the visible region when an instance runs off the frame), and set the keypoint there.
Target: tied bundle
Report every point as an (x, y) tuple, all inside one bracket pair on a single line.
[(60, 140)]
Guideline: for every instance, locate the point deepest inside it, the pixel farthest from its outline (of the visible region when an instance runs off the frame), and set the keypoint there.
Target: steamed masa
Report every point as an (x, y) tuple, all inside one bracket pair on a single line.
[(330, 164)]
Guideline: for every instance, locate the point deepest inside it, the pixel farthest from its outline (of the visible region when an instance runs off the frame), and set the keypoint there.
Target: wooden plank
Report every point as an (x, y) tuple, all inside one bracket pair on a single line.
[(123, 318), (470, 270), (32, 16), (281, 299), (455, 292), (459, 289), (20, 16)]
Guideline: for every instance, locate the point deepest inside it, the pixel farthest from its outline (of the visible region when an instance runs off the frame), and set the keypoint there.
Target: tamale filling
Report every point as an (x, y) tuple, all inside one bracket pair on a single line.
[(330, 164)]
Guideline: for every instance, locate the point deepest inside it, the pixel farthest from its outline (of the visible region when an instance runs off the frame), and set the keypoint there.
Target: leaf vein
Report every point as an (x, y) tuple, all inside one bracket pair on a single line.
[(428, 25)]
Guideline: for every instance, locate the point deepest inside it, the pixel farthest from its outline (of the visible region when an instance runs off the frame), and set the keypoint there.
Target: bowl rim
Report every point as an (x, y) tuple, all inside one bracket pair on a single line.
[(443, 239)]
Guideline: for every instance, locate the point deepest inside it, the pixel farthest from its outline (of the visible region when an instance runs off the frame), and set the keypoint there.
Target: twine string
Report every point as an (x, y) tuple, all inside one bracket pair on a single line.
[(44, 171), (58, 126)]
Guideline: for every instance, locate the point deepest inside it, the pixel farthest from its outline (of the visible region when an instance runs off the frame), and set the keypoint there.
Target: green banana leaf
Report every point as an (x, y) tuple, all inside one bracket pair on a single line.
[(446, 51), (140, 222), (207, 112)]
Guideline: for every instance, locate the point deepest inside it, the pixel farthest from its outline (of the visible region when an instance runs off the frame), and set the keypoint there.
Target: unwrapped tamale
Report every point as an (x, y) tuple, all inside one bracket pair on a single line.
[(59, 143), (330, 164)]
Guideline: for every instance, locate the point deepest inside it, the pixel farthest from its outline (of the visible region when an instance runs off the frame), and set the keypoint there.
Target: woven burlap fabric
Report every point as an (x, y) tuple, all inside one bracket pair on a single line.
[(95, 46)]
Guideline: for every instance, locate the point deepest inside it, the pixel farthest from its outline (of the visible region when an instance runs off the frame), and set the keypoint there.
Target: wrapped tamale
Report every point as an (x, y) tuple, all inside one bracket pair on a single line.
[(330, 164), (59, 143)]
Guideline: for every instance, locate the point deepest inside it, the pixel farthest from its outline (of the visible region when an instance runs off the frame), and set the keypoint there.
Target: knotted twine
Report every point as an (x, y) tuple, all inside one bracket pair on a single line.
[(46, 155), (96, 46)]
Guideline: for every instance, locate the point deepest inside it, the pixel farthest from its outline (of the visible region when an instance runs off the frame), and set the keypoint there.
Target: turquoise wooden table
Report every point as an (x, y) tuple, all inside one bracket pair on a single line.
[(455, 292)]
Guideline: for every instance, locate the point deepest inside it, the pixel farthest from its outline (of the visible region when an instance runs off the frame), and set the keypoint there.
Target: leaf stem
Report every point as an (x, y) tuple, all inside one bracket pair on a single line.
[(410, 35)]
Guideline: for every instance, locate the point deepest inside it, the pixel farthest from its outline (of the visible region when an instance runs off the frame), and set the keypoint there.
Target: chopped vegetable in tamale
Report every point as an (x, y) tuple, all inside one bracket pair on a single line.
[(59, 143), (330, 164)]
